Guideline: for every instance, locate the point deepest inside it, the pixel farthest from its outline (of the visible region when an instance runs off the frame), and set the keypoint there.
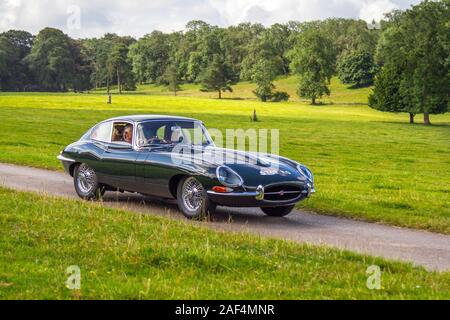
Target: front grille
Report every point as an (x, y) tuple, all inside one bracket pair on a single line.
[(282, 192)]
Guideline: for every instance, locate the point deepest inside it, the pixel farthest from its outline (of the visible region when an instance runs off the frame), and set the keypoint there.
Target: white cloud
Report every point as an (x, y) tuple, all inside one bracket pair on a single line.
[(139, 17), (376, 9)]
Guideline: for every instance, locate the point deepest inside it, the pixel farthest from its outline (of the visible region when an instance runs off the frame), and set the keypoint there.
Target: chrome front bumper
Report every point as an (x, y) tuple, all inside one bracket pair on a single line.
[(253, 198), (62, 158), (66, 162)]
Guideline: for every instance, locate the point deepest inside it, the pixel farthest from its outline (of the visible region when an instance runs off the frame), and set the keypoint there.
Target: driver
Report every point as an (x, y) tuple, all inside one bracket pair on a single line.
[(128, 134)]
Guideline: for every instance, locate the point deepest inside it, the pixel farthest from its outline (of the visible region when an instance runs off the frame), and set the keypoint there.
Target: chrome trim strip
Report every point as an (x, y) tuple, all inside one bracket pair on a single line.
[(258, 194), (62, 158), (233, 194), (284, 192), (253, 195)]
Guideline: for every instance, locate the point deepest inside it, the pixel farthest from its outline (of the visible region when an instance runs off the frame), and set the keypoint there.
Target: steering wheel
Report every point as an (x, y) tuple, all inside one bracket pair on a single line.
[(156, 140)]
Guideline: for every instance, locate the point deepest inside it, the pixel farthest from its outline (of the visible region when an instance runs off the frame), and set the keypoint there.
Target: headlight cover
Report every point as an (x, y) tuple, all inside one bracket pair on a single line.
[(228, 177), (306, 172)]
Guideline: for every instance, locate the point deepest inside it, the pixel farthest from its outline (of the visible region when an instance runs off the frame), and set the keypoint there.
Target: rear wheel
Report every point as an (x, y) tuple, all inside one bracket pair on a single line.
[(193, 200), (86, 183), (278, 211)]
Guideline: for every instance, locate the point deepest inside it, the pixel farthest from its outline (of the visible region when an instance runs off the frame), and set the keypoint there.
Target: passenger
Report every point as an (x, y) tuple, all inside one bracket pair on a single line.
[(128, 134), (117, 136)]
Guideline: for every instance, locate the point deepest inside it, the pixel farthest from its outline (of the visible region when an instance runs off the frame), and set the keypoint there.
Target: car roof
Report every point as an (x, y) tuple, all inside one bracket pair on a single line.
[(145, 117)]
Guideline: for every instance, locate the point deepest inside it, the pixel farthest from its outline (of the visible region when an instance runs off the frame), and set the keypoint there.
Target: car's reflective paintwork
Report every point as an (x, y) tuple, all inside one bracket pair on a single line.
[(157, 170)]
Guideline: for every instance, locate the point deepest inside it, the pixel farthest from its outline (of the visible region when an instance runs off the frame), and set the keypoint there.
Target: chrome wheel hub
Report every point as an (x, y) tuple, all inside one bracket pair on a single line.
[(192, 194), (85, 178)]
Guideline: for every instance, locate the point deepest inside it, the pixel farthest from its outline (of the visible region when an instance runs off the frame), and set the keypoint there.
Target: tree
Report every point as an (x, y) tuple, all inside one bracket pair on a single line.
[(357, 36), (416, 44), (197, 48), (237, 43), (263, 75), (15, 47), (195, 66), (217, 77), (140, 62), (271, 44), (312, 87), (9, 55), (51, 60), (150, 56), (22, 40), (119, 62), (97, 51), (387, 95), (83, 67), (313, 59), (110, 60), (276, 39), (357, 68), (427, 31), (172, 78)]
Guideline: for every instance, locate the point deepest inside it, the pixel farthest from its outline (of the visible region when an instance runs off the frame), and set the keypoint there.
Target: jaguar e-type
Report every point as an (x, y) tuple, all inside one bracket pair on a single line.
[(175, 158)]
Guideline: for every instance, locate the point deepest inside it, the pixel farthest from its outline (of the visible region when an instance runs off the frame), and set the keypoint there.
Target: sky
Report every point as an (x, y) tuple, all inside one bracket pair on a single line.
[(89, 18)]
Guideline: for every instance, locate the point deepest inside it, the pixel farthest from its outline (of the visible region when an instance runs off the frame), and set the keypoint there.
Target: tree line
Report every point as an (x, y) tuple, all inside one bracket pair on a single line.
[(406, 56), (202, 53)]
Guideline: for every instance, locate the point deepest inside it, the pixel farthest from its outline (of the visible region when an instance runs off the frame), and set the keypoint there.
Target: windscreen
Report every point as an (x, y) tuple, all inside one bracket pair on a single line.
[(153, 133)]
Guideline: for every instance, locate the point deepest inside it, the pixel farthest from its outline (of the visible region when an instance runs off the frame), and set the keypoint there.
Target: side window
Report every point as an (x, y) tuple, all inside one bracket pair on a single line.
[(150, 133), (161, 133), (102, 132), (122, 132)]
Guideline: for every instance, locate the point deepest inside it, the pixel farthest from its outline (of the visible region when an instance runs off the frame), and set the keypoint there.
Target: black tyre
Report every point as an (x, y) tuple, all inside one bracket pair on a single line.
[(278, 211), (193, 200), (86, 183)]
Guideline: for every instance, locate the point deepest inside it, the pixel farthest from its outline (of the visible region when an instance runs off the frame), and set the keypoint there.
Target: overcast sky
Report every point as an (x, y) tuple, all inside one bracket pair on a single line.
[(89, 18)]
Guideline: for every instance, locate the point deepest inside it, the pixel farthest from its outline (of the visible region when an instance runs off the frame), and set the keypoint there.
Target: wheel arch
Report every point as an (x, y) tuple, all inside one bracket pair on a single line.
[(72, 168), (173, 183)]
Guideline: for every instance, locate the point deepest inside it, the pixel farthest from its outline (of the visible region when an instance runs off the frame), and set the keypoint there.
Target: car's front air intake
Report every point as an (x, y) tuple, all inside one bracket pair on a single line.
[(282, 192)]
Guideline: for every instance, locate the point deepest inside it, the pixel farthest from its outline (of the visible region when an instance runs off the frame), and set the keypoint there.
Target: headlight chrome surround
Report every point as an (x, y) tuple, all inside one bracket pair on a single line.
[(306, 172), (231, 173)]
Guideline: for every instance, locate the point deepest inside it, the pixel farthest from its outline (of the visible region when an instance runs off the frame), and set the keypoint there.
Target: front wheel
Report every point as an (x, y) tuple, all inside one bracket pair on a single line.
[(193, 200), (86, 183), (278, 211)]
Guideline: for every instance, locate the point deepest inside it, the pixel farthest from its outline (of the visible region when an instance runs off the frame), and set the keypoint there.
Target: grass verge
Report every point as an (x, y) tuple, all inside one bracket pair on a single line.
[(124, 255)]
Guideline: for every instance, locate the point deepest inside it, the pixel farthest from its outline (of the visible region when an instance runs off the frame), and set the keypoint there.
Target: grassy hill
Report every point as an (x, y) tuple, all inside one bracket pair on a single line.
[(368, 165), (124, 255), (340, 93)]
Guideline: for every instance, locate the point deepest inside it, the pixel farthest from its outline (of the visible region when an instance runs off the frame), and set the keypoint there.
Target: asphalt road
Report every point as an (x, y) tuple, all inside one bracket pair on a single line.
[(422, 248)]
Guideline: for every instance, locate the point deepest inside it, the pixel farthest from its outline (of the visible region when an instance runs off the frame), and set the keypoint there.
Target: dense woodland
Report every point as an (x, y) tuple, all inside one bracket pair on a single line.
[(406, 56)]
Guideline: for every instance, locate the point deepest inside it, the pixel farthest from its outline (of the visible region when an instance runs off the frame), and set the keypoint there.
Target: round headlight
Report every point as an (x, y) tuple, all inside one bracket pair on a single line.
[(228, 177), (306, 172)]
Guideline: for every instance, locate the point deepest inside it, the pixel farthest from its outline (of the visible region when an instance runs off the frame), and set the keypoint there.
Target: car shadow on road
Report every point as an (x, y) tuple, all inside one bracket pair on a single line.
[(223, 215)]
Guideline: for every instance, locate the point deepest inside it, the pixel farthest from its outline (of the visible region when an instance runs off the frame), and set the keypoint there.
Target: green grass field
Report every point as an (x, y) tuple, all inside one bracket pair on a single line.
[(368, 165), (124, 255)]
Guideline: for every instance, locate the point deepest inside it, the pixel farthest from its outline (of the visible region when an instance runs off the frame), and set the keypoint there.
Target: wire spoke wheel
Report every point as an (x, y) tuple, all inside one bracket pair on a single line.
[(193, 194), (86, 179)]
